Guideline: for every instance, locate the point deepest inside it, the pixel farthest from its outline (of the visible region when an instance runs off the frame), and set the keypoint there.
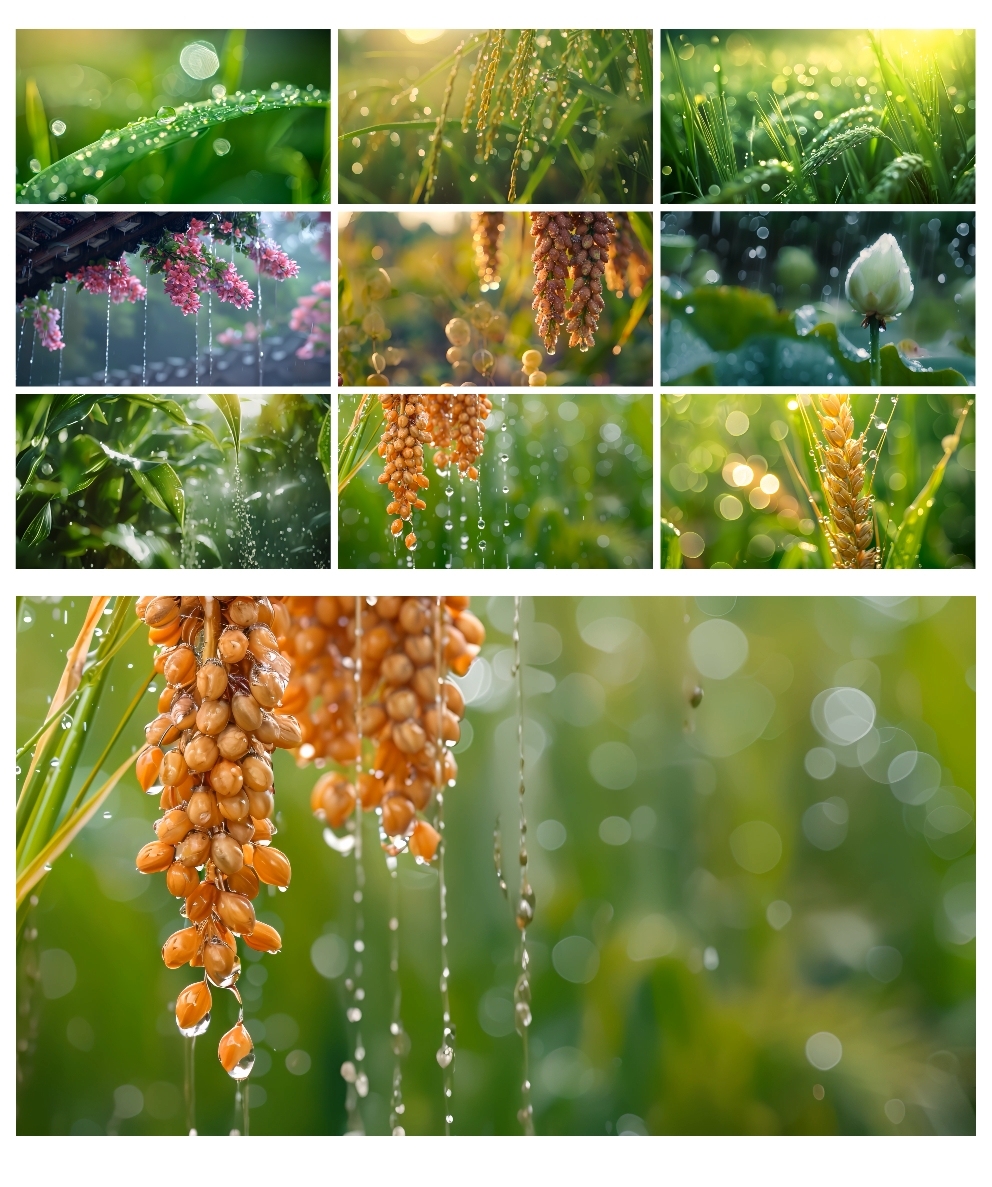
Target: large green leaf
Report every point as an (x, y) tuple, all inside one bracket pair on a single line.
[(161, 486), (149, 552), (725, 315), (92, 167), (905, 550), (230, 406), (39, 527), (157, 480)]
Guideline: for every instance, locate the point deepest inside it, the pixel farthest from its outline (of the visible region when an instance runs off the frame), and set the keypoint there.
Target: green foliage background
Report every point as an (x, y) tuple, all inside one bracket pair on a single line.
[(695, 443), (101, 517), (666, 1044), (578, 472)]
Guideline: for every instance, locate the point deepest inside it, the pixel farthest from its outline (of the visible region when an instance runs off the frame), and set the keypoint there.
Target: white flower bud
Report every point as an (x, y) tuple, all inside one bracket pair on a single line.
[(878, 283)]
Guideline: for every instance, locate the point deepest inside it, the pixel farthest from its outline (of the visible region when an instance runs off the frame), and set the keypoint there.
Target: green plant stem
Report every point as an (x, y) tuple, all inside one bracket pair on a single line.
[(41, 804), (875, 357)]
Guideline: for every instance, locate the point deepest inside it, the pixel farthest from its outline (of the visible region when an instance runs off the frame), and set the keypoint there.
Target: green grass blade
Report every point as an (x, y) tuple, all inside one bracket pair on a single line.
[(671, 546), (566, 125), (37, 121), (905, 550), (92, 167), (233, 60)]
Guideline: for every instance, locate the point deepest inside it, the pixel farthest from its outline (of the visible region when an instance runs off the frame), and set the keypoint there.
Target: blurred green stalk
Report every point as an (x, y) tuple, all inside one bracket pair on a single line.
[(45, 820)]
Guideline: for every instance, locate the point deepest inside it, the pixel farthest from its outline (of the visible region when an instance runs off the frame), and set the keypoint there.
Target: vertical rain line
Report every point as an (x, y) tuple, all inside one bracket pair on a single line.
[(210, 336), (522, 1017), (189, 1084), (196, 348), (34, 343), (106, 357), (144, 338), (504, 458), (65, 289), (261, 323), (355, 1077), (446, 1052), (20, 340), (397, 1038)]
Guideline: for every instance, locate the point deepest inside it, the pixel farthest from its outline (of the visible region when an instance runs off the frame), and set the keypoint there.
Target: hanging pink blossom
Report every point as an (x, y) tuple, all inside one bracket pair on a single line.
[(180, 286), (114, 278), (312, 316), (272, 260), (46, 323), (233, 288)]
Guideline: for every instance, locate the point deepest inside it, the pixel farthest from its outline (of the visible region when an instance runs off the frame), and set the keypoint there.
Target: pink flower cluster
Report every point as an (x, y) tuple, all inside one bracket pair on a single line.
[(231, 337), (272, 260), (233, 288), (114, 278), (191, 270), (312, 316), (46, 323), (180, 286)]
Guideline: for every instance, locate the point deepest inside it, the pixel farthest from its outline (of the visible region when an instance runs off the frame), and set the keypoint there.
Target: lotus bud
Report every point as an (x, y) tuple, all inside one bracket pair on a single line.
[(878, 283)]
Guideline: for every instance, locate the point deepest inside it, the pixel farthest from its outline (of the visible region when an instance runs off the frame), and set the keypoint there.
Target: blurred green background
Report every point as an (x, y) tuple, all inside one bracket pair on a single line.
[(748, 524), (429, 258), (728, 897), (577, 474), (92, 80), (753, 298)]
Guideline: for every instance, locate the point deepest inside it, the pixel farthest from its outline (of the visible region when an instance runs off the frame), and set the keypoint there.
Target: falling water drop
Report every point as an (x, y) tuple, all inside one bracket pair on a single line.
[(261, 321), (106, 360), (248, 557), (144, 337), (65, 290)]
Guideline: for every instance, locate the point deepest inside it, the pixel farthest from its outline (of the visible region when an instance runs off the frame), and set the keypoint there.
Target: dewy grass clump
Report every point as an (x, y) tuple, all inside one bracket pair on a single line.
[(819, 116)]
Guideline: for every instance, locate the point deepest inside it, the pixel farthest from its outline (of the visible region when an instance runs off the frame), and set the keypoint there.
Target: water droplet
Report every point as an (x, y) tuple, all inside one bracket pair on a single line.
[(248, 102), (166, 115), (242, 1069), (362, 1084), (191, 1032), (445, 1055)]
